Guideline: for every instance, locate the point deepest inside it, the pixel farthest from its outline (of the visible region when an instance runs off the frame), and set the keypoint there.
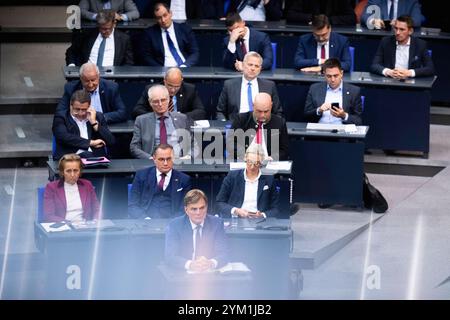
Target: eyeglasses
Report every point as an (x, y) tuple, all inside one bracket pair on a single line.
[(79, 111), (253, 163), (159, 101)]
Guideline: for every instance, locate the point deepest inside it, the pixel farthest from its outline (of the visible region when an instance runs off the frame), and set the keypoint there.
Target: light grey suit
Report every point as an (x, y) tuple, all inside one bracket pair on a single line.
[(143, 140), (230, 98), (351, 100), (89, 8)]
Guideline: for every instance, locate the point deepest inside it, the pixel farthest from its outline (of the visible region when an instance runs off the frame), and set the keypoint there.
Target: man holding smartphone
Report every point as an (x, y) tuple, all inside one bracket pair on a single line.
[(333, 102)]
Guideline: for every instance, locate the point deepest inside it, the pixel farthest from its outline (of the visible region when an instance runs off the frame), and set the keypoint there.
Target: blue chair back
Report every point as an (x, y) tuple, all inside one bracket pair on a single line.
[(352, 57), (363, 98), (274, 51), (53, 146), (129, 191), (40, 208), (430, 53)]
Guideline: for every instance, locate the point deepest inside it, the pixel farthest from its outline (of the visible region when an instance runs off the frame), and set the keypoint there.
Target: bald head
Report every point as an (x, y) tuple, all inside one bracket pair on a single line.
[(173, 80), (262, 107)]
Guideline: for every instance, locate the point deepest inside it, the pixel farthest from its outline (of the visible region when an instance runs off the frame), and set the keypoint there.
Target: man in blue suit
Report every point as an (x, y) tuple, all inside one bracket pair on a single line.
[(313, 49), (157, 192), (247, 193), (241, 40), (196, 241), (390, 10), (333, 101), (168, 43), (105, 96)]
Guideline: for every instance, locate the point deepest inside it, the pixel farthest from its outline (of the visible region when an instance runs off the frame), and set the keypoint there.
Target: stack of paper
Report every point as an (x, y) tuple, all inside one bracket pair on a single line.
[(234, 267)]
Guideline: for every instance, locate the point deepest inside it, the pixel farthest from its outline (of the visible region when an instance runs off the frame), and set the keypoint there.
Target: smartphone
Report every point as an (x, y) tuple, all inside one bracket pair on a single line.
[(335, 105), (57, 224)]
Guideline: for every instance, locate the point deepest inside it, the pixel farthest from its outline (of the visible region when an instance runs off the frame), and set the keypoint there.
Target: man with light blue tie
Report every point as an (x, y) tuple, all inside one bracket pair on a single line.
[(390, 10), (334, 102), (168, 43)]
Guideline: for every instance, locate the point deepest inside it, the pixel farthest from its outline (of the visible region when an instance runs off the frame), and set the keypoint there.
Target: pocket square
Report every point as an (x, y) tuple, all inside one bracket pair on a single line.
[(266, 187), (178, 190)]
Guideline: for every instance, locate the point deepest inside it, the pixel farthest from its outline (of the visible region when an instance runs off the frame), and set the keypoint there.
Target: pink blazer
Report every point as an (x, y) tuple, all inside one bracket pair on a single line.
[(55, 206)]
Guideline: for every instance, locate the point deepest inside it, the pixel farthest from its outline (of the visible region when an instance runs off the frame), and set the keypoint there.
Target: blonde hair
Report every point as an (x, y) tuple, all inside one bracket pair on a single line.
[(70, 157)]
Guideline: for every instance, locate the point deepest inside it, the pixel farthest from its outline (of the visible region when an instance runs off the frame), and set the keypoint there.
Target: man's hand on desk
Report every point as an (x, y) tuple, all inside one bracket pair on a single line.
[(317, 69), (247, 214), (201, 264), (398, 73)]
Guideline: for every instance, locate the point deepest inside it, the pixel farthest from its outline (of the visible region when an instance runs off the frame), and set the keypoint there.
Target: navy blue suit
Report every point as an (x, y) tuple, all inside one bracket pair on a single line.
[(232, 193), (144, 188), (113, 107), (419, 58), (306, 55), (405, 7), (179, 241), (152, 47), (258, 42), (67, 135)]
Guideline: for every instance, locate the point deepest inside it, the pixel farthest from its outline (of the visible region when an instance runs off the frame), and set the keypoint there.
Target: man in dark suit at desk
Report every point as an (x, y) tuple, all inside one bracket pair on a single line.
[(105, 46), (183, 97), (105, 96), (247, 193), (158, 192), (237, 94), (313, 49), (160, 126), (81, 129), (340, 12), (402, 56), (390, 10), (321, 98), (242, 39), (126, 9), (196, 241), (263, 128), (168, 43)]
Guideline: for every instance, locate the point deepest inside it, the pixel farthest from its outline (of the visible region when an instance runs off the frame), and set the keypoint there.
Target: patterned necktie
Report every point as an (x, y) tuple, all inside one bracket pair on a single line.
[(322, 52), (243, 48), (162, 130), (173, 50), (198, 239), (171, 104), (161, 182), (259, 133), (249, 96), (101, 52)]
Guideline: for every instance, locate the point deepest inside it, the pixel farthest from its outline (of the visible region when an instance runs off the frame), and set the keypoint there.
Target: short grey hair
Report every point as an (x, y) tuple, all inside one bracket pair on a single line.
[(253, 54), (156, 87), (88, 65), (257, 149)]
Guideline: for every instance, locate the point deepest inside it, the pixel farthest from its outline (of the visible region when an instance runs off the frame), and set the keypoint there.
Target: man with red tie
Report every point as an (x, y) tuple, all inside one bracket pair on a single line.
[(259, 127), (158, 192), (160, 126)]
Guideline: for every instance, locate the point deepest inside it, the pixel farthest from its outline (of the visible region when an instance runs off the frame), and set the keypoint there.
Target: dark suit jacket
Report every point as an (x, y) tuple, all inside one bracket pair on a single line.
[(232, 191), (90, 7), (351, 100), (230, 98), (306, 54), (67, 135), (201, 9), (179, 242), (188, 102), (340, 12), (144, 188), (82, 43), (419, 58), (405, 7), (245, 122), (258, 42), (113, 107), (55, 205), (152, 48)]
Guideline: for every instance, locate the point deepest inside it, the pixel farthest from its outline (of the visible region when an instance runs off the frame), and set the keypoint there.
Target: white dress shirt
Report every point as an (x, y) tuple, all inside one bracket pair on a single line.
[(166, 179), (194, 241), (178, 8), (82, 126), (232, 45), (333, 95), (244, 107), (108, 56), (169, 60), (96, 102), (74, 207), (250, 202), (395, 8), (402, 57)]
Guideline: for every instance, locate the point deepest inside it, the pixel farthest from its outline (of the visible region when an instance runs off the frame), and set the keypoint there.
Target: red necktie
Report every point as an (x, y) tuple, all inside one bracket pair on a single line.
[(322, 52), (171, 104), (162, 130), (259, 133), (243, 48), (161, 182)]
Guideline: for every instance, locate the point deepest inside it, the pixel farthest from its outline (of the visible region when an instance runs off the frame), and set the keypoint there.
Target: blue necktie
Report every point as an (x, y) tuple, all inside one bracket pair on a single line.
[(198, 239), (391, 11), (101, 52), (173, 50), (249, 96)]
